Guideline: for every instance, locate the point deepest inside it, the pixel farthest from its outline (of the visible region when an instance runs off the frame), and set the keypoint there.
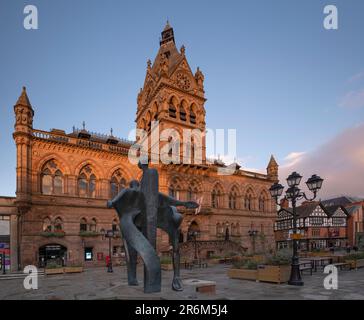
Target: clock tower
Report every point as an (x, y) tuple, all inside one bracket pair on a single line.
[(173, 97)]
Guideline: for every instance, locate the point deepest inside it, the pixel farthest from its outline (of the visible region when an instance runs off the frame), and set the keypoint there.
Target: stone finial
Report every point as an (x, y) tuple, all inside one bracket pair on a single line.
[(183, 50)]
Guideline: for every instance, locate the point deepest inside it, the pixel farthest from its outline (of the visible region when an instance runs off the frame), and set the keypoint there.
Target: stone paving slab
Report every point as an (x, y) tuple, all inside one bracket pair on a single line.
[(98, 284)]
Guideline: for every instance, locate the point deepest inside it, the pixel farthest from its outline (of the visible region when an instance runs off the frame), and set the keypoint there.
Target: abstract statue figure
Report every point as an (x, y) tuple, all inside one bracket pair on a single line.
[(141, 209)]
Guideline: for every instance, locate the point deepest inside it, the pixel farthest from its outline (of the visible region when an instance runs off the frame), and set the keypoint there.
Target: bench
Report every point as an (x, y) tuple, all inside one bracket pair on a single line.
[(306, 266), (343, 265)]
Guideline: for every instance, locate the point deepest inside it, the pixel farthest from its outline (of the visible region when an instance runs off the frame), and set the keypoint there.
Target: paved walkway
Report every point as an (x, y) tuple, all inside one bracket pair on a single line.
[(98, 284)]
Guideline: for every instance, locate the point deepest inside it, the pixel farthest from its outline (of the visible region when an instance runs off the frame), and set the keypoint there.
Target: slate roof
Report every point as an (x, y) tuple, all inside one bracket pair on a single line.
[(343, 200)]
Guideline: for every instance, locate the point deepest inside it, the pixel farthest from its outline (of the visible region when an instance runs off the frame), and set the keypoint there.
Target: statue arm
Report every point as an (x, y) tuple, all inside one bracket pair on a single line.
[(117, 198), (169, 201)]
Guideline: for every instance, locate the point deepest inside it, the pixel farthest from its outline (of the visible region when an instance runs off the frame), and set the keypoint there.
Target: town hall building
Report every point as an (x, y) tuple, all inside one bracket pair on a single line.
[(63, 180)]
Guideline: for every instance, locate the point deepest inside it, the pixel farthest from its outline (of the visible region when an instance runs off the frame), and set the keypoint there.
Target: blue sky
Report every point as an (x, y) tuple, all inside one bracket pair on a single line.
[(271, 70)]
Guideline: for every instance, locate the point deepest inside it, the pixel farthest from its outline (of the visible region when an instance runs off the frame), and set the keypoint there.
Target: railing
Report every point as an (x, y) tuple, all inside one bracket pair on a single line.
[(79, 142), (50, 136)]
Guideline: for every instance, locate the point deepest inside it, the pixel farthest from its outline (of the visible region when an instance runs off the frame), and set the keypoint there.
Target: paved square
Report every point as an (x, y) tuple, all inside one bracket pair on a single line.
[(98, 284)]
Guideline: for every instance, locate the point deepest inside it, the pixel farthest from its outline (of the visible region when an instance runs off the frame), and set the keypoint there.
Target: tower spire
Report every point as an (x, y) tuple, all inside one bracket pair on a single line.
[(23, 99), (272, 169), (167, 34)]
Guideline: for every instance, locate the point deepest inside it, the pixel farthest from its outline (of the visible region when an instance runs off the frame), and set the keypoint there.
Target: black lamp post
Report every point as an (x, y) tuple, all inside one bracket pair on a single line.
[(252, 234), (293, 193), (109, 234)]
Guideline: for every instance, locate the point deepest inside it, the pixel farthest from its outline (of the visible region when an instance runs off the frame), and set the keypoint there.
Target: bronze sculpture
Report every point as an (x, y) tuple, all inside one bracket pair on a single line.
[(141, 210)]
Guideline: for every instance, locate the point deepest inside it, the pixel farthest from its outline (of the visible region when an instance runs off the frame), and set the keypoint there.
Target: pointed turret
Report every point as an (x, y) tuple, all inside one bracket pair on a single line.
[(272, 169), (23, 136), (24, 113), (23, 99)]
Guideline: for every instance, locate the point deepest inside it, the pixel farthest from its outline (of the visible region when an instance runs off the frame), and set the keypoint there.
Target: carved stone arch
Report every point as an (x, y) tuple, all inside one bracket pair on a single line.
[(46, 178), (173, 100), (263, 199), (126, 172), (100, 174), (177, 180), (184, 110), (61, 162), (235, 187), (218, 186), (173, 107), (249, 187), (194, 115), (59, 241), (154, 107), (197, 182), (249, 198), (234, 196)]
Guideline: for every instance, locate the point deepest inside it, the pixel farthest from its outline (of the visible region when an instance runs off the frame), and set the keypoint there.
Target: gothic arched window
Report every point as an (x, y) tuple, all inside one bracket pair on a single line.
[(93, 224), (182, 113), (58, 225), (83, 224), (193, 114), (192, 117), (51, 179), (233, 195), (87, 183), (117, 183), (192, 191), (262, 202), (174, 189), (172, 110), (216, 195), (47, 225), (248, 201)]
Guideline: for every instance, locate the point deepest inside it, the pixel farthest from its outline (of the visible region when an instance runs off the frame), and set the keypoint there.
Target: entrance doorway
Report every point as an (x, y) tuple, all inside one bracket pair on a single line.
[(54, 254)]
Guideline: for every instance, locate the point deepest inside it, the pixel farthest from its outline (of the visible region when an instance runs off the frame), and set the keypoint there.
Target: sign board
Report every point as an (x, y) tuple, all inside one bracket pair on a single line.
[(296, 236)]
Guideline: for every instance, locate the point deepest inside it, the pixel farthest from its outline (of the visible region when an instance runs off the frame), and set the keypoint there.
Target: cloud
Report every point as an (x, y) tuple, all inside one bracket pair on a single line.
[(356, 77), (293, 158), (340, 162), (353, 99)]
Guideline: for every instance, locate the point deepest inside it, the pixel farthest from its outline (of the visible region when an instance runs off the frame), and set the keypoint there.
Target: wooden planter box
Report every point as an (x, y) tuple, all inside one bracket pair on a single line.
[(355, 264), (244, 274), (276, 274), (167, 266), (258, 258), (214, 261), (73, 269), (54, 271)]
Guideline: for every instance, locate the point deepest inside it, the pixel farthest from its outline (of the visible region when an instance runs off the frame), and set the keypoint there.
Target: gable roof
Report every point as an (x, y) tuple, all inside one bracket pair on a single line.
[(332, 209), (305, 210)]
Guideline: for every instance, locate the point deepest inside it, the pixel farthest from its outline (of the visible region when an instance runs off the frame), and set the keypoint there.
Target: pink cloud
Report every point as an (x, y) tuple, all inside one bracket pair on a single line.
[(340, 162), (356, 77), (353, 99)]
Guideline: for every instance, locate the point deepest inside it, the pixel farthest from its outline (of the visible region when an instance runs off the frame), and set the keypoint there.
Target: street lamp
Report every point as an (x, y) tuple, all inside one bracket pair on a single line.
[(109, 234), (293, 193)]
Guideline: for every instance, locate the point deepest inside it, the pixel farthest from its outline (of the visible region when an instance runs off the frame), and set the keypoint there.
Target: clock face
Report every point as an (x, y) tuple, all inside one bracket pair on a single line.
[(183, 82)]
